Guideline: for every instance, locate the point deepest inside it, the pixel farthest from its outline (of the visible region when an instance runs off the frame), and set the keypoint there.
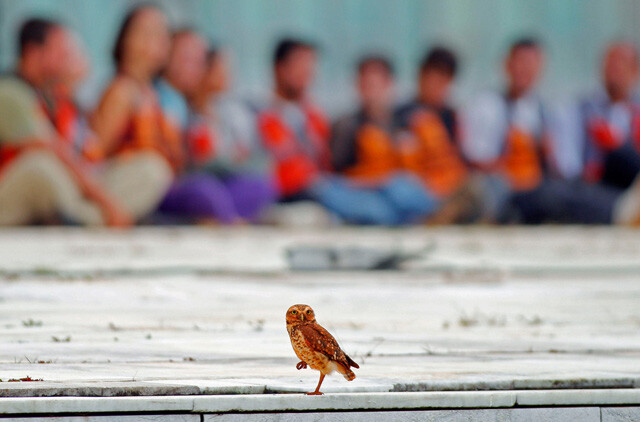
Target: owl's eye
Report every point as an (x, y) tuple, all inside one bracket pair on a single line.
[(309, 312), (294, 312)]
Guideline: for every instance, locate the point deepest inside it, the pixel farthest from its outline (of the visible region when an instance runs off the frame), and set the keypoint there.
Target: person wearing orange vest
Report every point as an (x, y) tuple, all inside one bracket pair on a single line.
[(512, 139), (428, 130), (362, 143), (60, 105), (296, 133)]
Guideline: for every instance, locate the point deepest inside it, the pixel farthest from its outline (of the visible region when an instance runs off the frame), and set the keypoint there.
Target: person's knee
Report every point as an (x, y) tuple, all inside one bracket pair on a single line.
[(154, 170), (42, 162), (140, 182)]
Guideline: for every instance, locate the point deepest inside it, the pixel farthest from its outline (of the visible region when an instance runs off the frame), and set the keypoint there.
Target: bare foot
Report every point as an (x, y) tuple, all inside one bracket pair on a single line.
[(301, 365), (315, 393)]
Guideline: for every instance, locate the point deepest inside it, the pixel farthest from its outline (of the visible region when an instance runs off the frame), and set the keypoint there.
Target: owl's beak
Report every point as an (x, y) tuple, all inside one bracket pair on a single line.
[(302, 317)]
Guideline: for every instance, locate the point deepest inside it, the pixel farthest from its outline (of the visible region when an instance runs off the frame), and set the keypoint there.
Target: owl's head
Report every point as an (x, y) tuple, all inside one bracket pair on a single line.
[(300, 314)]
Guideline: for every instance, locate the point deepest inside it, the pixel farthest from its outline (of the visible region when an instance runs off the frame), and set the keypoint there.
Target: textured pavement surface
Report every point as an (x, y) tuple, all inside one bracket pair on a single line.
[(201, 310)]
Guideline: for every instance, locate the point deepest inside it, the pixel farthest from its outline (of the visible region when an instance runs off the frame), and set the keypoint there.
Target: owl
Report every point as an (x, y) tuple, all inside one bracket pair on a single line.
[(315, 347)]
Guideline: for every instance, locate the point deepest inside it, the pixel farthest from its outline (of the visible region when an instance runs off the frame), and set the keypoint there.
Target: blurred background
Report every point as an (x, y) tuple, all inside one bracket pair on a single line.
[(573, 31)]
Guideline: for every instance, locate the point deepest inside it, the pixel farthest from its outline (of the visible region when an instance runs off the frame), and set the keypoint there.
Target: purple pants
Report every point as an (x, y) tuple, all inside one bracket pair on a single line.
[(198, 195)]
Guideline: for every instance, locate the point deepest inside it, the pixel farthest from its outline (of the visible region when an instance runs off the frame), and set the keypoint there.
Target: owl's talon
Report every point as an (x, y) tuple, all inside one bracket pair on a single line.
[(315, 393), (301, 365)]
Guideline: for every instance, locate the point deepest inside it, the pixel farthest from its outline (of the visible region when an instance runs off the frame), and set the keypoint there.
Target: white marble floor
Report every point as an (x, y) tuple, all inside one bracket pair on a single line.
[(193, 311)]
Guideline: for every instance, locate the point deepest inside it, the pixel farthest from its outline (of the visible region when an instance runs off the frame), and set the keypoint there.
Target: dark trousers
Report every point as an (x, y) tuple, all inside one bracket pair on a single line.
[(564, 201), (621, 166)]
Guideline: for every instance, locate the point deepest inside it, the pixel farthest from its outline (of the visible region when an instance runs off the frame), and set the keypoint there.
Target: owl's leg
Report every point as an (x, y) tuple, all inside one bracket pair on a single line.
[(301, 365), (317, 392)]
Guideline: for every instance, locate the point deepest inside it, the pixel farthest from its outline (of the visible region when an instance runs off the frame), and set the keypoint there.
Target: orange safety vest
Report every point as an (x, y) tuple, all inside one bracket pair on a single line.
[(150, 130), (375, 152), (521, 161), (295, 166), (431, 154), (201, 143), (8, 153)]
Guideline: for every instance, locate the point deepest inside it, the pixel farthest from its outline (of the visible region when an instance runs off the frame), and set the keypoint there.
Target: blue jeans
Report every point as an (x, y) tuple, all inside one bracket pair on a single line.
[(402, 199)]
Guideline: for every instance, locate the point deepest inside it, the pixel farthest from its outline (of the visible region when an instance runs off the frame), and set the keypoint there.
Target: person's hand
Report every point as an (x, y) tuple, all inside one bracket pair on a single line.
[(115, 217)]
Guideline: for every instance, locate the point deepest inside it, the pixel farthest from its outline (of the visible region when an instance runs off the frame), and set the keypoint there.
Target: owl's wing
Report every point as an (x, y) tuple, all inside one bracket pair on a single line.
[(322, 341)]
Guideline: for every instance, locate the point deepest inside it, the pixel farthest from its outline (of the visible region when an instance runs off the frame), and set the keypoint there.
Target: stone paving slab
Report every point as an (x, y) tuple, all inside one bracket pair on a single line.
[(285, 403), (481, 415), (620, 414), (195, 312)]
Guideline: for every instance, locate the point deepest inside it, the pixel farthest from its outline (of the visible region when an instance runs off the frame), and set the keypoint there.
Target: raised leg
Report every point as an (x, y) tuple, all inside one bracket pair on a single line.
[(317, 392), (301, 365)]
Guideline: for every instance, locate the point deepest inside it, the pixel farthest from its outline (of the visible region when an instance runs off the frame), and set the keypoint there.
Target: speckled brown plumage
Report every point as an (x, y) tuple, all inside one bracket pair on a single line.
[(315, 346)]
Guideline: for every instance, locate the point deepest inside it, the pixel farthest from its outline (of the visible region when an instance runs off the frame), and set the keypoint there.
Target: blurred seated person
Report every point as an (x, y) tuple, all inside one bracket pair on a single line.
[(60, 105), (362, 146), (509, 138), (428, 129), (180, 78), (296, 134), (129, 118), (222, 142), (610, 121), (42, 179), (426, 135), (199, 194)]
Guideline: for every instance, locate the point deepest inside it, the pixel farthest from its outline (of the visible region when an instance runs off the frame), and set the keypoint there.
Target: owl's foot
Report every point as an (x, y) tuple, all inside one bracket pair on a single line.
[(317, 392), (301, 365)]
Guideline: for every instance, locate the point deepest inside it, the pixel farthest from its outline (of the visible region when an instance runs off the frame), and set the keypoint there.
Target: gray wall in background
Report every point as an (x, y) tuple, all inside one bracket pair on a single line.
[(574, 31)]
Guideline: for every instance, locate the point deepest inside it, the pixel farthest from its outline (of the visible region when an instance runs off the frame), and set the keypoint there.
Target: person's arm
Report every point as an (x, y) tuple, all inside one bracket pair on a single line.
[(110, 119)]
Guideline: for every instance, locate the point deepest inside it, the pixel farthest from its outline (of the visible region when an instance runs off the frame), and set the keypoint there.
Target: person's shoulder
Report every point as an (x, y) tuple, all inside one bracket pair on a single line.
[(21, 117), (13, 87), (17, 94), (122, 88)]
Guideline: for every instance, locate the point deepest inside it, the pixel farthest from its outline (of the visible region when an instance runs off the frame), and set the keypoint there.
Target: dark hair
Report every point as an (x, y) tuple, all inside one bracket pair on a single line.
[(34, 31), (524, 42), (378, 60), (441, 59), (213, 53), (118, 48), (287, 46)]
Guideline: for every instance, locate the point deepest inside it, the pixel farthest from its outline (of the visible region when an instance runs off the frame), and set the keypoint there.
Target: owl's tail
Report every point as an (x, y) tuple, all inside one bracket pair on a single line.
[(348, 373)]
